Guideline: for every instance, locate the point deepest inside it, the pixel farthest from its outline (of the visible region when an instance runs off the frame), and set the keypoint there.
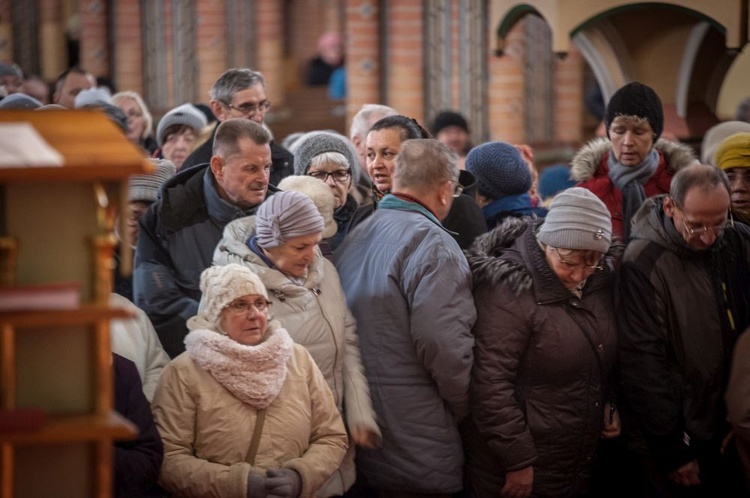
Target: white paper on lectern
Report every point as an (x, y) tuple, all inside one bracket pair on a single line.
[(21, 146)]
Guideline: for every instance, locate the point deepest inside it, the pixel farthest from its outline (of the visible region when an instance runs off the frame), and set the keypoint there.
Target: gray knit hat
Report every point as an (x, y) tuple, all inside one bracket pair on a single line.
[(220, 285), (20, 101), (314, 143), (286, 215), (185, 114), (319, 192), (578, 220), (499, 169), (146, 187)]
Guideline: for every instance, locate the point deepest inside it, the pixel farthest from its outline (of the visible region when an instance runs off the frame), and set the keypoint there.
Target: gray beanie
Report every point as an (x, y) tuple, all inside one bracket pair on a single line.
[(499, 169), (220, 285), (319, 192), (286, 215), (146, 187), (577, 220), (185, 114), (314, 143), (20, 101)]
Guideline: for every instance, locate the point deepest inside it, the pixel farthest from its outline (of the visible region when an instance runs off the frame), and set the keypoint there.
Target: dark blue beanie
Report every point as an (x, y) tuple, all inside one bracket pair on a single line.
[(499, 169)]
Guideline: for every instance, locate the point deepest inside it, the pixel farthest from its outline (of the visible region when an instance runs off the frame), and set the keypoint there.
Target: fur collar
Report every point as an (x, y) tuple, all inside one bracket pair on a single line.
[(587, 160), (488, 259), (253, 374)]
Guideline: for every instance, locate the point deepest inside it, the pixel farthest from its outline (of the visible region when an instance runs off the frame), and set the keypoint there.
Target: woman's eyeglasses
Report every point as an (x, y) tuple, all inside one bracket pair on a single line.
[(570, 265), (339, 176), (241, 307)]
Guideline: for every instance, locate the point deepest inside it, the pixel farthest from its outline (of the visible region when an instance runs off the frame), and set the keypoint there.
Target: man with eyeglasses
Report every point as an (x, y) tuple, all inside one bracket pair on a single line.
[(409, 286), (241, 93), (179, 232), (683, 301)]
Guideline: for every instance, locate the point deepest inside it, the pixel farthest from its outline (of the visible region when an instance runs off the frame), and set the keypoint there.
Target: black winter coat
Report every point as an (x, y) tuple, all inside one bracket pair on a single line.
[(542, 358)]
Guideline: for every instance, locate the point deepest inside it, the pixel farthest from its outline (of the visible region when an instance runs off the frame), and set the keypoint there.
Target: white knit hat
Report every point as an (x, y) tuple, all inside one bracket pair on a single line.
[(185, 114), (220, 285), (319, 192), (91, 96)]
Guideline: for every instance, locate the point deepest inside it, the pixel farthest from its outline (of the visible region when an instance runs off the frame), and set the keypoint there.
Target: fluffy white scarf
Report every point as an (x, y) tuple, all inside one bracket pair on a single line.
[(254, 374)]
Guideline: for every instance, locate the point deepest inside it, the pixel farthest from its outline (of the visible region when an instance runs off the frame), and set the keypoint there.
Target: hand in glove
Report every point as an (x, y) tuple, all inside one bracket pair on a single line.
[(283, 483), (256, 485)]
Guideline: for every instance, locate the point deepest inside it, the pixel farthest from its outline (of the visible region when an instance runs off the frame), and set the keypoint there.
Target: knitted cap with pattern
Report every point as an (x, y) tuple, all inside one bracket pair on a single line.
[(315, 143), (578, 220), (636, 99), (734, 152), (145, 188), (319, 192), (220, 285), (286, 215), (499, 170), (185, 114)]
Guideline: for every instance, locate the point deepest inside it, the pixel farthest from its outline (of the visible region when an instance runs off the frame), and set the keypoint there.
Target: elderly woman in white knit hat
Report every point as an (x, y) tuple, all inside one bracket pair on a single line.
[(279, 244), (331, 158), (244, 411), (545, 346), (178, 131)]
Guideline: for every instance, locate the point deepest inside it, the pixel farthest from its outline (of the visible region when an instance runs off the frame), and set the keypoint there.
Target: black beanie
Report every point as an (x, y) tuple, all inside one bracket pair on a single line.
[(446, 119), (636, 99)]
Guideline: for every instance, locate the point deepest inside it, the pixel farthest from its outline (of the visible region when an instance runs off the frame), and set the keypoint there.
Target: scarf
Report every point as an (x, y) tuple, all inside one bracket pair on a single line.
[(253, 374), (630, 180), (517, 204)]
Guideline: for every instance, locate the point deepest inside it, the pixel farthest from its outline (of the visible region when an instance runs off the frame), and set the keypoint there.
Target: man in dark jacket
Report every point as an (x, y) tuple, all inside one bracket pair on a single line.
[(180, 231), (684, 299), (241, 93)]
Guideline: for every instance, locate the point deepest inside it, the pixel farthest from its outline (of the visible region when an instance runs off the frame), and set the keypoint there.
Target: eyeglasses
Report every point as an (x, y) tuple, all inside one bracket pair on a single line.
[(569, 265), (241, 307), (718, 230), (339, 176), (457, 188), (249, 108)]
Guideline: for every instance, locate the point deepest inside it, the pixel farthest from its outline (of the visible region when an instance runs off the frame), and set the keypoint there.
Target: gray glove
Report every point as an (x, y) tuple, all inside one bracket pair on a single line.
[(283, 483), (256, 485)]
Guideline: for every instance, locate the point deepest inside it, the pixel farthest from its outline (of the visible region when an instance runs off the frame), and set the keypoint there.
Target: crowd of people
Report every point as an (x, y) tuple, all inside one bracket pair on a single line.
[(399, 313)]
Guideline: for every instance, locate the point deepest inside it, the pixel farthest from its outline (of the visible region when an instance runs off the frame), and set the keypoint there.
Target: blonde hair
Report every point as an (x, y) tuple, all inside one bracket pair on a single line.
[(147, 117)]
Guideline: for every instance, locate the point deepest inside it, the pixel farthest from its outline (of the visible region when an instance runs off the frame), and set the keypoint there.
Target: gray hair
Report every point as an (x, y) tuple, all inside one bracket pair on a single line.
[(231, 131), (367, 115), (129, 94), (424, 163), (235, 80), (701, 176), (336, 158)]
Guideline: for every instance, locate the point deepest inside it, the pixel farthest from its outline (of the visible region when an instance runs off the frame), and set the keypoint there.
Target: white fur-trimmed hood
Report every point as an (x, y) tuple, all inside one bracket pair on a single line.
[(586, 161)]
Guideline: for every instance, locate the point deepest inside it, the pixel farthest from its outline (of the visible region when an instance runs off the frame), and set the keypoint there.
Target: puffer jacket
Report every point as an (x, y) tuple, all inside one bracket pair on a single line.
[(677, 334), (541, 365), (316, 316), (207, 431), (589, 168)]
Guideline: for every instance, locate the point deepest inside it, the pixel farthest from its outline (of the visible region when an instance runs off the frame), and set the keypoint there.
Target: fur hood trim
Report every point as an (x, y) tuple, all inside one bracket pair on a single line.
[(253, 374), (588, 158), (492, 260), (487, 262)]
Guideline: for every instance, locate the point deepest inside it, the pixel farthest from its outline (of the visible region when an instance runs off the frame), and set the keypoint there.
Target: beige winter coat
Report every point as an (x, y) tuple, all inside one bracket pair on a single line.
[(316, 316), (207, 431)]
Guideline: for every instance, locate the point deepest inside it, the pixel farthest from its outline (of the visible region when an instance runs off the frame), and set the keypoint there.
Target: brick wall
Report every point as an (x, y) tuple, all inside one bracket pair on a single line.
[(569, 97), (363, 52), (506, 90), (210, 47), (94, 54), (405, 58), (127, 47), (270, 41)]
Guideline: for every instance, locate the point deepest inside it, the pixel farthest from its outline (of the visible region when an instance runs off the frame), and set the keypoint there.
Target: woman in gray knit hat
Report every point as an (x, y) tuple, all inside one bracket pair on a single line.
[(280, 245), (545, 345), (332, 158)]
